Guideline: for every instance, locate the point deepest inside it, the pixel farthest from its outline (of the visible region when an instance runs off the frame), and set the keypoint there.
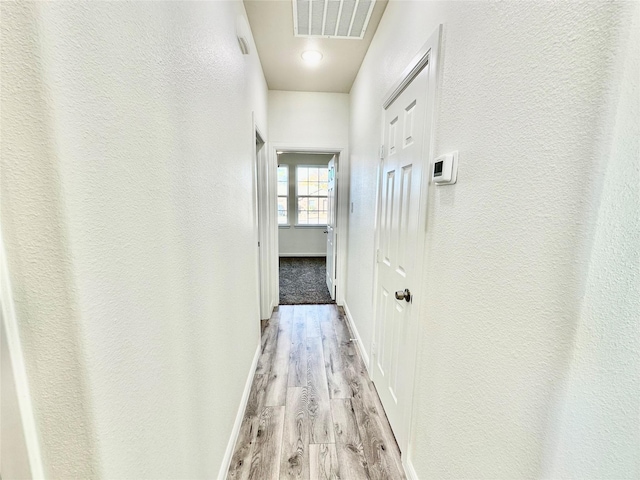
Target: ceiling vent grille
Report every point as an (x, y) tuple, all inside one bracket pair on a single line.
[(331, 18)]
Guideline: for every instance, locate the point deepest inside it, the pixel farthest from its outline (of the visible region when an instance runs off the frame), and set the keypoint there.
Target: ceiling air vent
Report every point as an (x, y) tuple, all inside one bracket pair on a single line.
[(331, 18)]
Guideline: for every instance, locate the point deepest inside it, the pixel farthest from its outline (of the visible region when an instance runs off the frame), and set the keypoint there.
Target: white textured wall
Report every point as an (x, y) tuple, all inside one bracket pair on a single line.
[(127, 178), (294, 240), (523, 98), (599, 413), (311, 119), (37, 249)]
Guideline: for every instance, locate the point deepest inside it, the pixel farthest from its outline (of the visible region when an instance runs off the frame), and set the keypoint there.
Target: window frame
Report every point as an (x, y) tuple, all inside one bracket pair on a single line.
[(297, 196), (287, 196)]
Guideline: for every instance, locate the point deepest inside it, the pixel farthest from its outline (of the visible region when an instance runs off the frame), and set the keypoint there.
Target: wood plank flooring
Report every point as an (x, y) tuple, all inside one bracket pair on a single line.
[(313, 413)]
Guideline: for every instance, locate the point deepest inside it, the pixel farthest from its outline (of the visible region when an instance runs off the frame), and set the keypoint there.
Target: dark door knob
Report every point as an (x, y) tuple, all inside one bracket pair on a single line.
[(406, 295)]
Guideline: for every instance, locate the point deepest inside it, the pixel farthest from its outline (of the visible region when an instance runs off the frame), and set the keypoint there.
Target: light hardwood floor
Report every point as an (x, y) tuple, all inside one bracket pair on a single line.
[(313, 413)]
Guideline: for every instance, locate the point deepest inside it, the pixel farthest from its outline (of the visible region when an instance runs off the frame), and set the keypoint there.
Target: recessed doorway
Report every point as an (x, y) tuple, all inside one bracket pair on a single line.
[(306, 192)]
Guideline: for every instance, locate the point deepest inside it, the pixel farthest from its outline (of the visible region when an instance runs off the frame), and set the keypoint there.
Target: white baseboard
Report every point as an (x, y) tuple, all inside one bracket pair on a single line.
[(224, 468), (321, 254), (409, 471), (359, 344)]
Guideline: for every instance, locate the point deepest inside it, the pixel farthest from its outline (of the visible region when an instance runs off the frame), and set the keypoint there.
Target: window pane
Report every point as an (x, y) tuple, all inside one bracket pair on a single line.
[(282, 210), (312, 195), (283, 187), (303, 207)]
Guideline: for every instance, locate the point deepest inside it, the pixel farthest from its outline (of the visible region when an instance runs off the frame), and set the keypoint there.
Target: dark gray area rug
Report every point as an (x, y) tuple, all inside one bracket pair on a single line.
[(302, 281)]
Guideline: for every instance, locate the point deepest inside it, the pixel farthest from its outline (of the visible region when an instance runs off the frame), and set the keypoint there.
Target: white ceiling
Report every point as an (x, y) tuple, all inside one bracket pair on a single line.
[(279, 50)]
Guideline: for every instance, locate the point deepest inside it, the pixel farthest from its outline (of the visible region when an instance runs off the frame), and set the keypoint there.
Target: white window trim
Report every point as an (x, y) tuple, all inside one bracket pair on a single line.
[(305, 225), (288, 224)]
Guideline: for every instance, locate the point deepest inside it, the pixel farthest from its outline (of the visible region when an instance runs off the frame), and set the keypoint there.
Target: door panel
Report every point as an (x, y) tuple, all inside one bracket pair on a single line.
[(387, 217), (400, 198), (404, 219), (383, 304), (392, 136), (331, 224), (408, 123)]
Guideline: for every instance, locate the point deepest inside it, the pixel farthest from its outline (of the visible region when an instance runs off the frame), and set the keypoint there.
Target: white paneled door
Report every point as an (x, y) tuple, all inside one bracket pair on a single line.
[(331, 226), (397, 257)]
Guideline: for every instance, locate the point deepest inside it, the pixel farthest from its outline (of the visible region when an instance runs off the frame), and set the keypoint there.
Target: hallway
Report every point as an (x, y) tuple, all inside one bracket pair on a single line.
[(313, 411), (157, 158)]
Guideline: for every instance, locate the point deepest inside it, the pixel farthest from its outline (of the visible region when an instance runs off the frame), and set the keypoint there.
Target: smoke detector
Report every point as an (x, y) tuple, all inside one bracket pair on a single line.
[(331, 18)]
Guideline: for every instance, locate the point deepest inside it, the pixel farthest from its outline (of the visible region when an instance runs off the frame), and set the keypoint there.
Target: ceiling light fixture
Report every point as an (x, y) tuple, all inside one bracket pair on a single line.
[(312, 57)]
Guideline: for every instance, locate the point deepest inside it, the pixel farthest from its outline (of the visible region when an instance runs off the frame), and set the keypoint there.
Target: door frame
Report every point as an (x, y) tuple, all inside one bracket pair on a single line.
[(263, 220), (428, 54), (336, 184), (342, 193), (31, 448)]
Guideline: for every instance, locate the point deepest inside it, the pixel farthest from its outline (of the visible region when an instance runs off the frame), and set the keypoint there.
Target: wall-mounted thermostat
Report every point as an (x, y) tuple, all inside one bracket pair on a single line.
[(445, 169)]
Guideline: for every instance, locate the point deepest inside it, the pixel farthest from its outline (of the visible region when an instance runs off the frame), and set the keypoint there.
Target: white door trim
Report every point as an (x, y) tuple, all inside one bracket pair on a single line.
[(25, 405), (332, 217), (342, 207), (428, 54), (262, 222)]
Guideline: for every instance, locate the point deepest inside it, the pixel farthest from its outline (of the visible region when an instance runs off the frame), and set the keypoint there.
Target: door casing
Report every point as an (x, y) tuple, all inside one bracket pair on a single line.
[(340, 153), (26, 452), (428, 54), (263, 218), (332, 198)]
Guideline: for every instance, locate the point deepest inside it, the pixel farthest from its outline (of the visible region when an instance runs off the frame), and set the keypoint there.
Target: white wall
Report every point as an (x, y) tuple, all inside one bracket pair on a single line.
[(127, 186), (307, 240), (599, 414), (37, 250), (311, 119), (521, 96), (316, 120)]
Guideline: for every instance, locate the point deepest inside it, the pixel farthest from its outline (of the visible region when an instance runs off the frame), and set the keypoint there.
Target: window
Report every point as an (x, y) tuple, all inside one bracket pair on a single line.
[(311, 191), (283, 195)]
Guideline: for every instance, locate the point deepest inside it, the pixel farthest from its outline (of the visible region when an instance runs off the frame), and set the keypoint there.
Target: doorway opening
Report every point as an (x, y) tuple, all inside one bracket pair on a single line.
[(264, 218), (307, 237)]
